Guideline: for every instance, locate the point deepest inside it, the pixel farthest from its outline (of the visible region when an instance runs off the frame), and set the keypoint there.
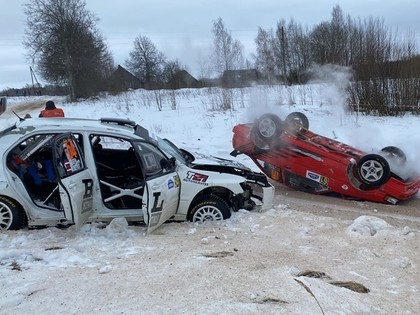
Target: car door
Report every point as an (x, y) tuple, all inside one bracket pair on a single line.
[(74, 180), (161, 194)]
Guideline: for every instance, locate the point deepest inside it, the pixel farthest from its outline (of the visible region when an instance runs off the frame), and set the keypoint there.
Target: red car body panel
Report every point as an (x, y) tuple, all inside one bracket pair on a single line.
[(313, 163)]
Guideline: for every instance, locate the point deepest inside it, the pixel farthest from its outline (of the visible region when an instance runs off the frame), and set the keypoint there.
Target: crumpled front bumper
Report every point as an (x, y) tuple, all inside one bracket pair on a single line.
[(266, 195)]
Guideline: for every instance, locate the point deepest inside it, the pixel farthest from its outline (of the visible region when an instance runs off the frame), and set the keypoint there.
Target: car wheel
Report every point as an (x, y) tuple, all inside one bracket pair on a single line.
[(394, 154), (373, 170), (296, 122), (265, 131), (12, 216), (209, 207)]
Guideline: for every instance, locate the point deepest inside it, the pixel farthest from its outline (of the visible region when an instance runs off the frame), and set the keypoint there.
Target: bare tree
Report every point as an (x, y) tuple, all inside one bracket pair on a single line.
[(146, 61), (265, 60), (63, 42), (338, 38), (296, 51), (170, 69), (227, 53)]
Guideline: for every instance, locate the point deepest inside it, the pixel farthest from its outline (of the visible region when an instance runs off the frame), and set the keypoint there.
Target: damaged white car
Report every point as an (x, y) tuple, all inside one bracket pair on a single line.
[(70, 171)]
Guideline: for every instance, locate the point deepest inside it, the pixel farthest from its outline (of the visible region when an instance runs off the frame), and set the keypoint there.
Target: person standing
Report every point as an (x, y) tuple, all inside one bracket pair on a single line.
[(51, 111)]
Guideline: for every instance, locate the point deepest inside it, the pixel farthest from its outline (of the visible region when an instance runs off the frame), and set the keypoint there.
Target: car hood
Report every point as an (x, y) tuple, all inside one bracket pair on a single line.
[(203, 159)]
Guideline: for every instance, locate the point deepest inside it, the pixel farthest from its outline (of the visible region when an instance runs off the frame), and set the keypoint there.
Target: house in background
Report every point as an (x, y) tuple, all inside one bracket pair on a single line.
[(181, 80), (123, 80), (240, 78)]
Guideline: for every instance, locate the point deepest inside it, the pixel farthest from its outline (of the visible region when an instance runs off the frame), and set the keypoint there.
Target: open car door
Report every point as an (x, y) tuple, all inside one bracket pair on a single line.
[(74, 180), (163, 186)]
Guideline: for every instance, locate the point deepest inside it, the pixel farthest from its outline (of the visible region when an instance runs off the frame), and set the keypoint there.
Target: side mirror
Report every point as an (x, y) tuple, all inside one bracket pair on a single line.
[(3, 103), (172, 163), (168, 165)]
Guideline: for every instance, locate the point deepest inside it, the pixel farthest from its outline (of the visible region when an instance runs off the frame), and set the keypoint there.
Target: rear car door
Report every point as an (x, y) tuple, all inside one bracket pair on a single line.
[(161, 194), (74, 180)]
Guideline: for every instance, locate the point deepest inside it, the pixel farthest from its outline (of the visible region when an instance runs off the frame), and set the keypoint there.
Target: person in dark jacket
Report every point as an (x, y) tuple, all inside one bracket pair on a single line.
[(51, 111)]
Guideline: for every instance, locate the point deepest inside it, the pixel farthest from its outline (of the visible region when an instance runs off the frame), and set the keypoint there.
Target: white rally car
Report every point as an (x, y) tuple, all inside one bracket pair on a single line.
[(67, 171)]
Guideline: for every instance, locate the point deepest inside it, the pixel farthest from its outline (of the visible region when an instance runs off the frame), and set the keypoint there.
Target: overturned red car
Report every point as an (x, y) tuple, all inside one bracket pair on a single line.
[(289, 153)]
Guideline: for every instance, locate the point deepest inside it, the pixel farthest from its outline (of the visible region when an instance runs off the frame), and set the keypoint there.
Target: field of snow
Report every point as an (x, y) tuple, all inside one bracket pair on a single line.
[(281, 261)]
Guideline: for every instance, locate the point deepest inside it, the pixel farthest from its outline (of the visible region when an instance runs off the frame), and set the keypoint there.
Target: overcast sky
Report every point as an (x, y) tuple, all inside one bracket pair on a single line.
[(181, 29)]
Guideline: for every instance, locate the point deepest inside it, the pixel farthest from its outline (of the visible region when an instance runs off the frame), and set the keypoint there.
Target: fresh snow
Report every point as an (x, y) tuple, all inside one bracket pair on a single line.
[(249, 264)]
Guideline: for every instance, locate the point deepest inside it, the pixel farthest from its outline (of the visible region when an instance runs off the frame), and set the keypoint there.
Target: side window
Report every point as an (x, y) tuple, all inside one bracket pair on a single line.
[(155, 163), (32, 158), (69, 159)]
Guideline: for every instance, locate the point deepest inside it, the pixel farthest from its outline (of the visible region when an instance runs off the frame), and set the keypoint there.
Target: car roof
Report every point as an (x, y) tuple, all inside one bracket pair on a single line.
[(122, 127)]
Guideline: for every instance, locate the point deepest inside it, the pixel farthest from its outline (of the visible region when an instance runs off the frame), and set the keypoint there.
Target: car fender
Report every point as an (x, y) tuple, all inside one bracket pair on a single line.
[(3, 185), (198, 180), (193, 182)]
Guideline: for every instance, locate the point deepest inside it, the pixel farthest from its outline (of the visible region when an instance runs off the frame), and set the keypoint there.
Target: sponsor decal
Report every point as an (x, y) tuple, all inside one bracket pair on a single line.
[(313, 176), (171, 184), (67, 166), (177, 181), (196, 178), (275, 175), (317, 178), (324, 180), (275, 172), (155, 207)]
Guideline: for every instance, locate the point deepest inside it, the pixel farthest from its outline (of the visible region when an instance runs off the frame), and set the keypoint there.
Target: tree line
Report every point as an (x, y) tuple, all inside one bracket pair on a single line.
[(68, 50)]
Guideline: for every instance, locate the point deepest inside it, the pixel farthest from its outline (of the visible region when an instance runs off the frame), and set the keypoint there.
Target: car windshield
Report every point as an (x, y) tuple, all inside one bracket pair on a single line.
[(171, 149), (164, 144)]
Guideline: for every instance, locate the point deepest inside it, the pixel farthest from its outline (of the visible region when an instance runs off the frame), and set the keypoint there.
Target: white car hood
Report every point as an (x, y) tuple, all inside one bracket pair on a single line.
[(203, 159)]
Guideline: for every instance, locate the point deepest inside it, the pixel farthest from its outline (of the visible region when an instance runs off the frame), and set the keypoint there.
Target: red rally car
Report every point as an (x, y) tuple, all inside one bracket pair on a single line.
[(289, 153)]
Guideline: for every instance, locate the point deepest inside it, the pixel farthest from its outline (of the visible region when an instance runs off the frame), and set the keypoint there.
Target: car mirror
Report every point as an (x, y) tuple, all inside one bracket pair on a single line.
[(165, 165), (172, 163), (168, 164)]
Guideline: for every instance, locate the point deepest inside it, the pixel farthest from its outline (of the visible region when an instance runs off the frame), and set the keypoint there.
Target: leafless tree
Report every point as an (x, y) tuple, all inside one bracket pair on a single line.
[(146, 61), (227, 53), (63, 42), (170, 69), (265, 61)]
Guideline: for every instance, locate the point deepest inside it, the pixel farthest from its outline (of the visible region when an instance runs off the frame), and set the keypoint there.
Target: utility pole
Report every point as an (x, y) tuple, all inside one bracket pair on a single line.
[(33, 77), (283, 53)]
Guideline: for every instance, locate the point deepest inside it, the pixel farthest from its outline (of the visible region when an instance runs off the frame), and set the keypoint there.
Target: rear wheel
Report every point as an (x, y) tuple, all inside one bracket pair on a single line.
[(209, 208), (12, 216), (296, 122), (394, 154), (373, 170), (265, 131)]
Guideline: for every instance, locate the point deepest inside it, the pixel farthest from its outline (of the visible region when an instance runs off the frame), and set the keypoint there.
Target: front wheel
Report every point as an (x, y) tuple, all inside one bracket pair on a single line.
[(265, 131), (373, 170), (12, 216), (296, 122), (209, 208)]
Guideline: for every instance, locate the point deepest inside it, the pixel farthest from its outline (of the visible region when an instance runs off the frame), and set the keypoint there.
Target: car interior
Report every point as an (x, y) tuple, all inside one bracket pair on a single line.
[(31, 160), (119, 172)]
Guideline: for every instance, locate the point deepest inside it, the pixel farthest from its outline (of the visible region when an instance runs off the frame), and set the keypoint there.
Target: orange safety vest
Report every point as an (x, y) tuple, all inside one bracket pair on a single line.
[(56, 112)]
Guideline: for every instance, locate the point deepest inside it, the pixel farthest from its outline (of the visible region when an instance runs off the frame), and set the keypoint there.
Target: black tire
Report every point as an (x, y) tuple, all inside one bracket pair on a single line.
[(296, 122), (209, 207), (373, 170), (266, 130), (12, 216), (394, 154)]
